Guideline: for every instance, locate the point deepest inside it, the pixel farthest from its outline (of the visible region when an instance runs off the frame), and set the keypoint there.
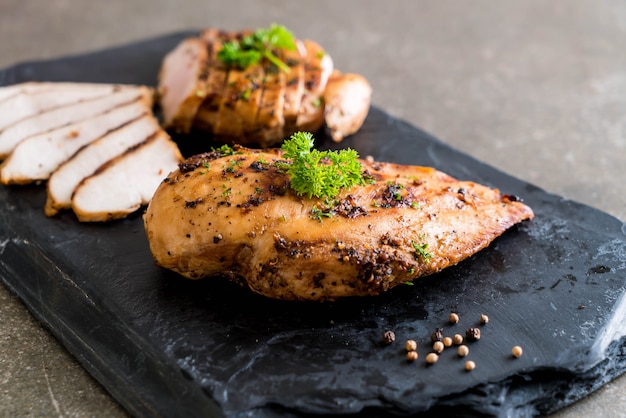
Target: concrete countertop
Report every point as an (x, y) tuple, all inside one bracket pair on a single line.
[(536, 89)]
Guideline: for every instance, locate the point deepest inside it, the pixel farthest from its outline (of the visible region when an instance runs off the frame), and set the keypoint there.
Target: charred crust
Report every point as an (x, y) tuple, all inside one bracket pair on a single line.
[(258, 166), (292, 249), (192, 204), (347, 208), (508, 198), (252, 201), (279, 189), (387, 239), (191, 163)]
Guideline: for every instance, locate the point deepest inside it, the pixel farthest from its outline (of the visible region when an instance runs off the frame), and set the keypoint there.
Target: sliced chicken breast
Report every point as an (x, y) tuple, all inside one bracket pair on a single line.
[(318, 68), (217, 77), (124, 184), (294, 85), (62, 116), (347, 100), (9, 91), (30, 100), (238, 110), (261, 105), (182, 87), (84, 163), (270, 118), (37, 157)]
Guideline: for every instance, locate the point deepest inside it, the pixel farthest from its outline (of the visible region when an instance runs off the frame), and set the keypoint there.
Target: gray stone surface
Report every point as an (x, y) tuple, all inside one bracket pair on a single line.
[(535, 88)]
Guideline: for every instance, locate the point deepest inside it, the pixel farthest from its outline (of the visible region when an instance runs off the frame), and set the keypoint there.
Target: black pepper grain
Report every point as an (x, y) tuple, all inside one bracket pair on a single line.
[(388, 337), (472, 334), (437, 335)]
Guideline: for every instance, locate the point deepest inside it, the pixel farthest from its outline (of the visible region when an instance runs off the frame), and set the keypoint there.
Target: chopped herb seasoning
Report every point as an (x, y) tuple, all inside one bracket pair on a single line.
[(420, 251)]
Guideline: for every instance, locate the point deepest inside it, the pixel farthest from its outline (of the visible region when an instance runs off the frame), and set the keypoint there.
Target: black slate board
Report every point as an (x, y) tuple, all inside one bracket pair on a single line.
[(165, 346)]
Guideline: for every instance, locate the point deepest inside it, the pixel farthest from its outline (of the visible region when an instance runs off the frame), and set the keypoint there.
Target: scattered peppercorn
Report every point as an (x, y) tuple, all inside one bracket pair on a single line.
[(472, 334), (463, 350), (388, 337), (437, 335), (438, 347), (432, 358), (484, 319), (454, 318), (411, 355), (447, 342), (458, 339), (517, 351), (470, 365), (410, 345)]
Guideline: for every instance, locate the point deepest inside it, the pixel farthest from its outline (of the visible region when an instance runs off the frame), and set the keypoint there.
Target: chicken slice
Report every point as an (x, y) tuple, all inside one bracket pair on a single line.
[(182, 81), (7, 92), (347, 100), (236, 216), (30, 102), (207, 115), (124, 184), (237, 113), (294, 85), (68, 176), (62, 116), (318, 67), (270, 118), (38, 156)]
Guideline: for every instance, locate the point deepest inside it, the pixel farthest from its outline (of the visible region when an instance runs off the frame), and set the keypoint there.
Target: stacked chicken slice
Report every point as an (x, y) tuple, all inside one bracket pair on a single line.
[(260, 105), (99, 146)]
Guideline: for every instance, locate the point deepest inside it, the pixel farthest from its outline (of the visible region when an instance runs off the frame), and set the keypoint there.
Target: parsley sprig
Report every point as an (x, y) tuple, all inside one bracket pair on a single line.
[(320, 174), (260, 44)]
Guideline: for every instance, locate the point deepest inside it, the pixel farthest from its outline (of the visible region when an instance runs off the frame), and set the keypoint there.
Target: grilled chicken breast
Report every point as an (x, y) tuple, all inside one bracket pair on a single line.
[(71, 113), (260, 105), (86, 161), (122, 185), (24, 100), (100, 146), (38, 156), (237, 216)]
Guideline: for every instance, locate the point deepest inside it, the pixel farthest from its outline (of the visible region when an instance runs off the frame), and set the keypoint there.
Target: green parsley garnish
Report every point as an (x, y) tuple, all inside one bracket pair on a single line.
[(320, 174), (318, 213), (225, 150), (260, 44), (420, 250)]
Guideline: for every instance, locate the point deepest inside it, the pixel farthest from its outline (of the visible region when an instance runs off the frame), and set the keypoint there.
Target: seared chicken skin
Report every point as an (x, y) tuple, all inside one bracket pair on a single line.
[(236, 216), (260, 105)]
